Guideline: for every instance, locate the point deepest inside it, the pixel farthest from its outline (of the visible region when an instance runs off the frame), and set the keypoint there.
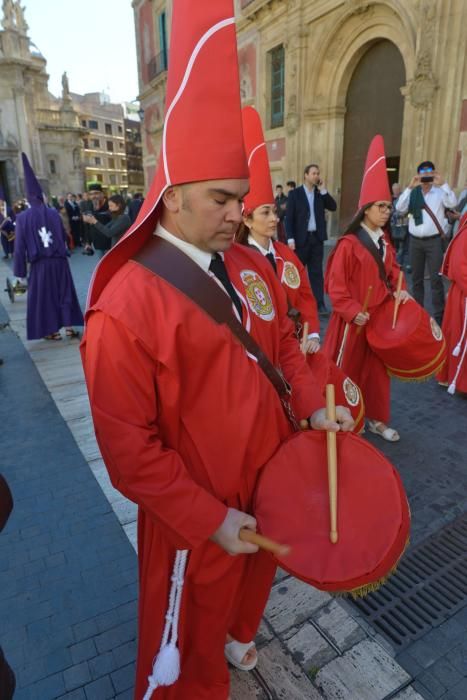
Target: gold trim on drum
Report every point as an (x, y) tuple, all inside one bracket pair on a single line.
[(395, 370)]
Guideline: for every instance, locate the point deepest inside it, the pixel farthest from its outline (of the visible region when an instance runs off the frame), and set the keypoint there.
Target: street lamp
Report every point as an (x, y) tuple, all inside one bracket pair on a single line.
[(141, 114)]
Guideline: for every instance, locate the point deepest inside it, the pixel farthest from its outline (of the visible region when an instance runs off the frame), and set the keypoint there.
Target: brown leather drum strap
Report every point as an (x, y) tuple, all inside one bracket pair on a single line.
[(365, 239), (168, 262)]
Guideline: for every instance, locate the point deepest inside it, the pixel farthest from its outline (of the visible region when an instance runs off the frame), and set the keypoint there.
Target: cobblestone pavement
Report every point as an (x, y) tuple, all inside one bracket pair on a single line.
[(73, 636)]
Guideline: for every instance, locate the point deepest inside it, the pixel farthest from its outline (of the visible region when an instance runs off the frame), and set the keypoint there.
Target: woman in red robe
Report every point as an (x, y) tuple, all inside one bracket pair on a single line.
[(454, 371), (352, 268)]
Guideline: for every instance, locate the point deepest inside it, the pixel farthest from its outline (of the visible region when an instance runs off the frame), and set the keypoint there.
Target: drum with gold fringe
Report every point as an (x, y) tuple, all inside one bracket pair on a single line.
[(348, 394), (291, 506), (415, 349)]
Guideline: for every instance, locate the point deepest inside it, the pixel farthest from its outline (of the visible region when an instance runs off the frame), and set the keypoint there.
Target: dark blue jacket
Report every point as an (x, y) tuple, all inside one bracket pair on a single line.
[(298, 213)]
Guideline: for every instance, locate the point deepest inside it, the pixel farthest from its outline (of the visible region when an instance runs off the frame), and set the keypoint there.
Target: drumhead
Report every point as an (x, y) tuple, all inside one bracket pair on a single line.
[(292, 507)]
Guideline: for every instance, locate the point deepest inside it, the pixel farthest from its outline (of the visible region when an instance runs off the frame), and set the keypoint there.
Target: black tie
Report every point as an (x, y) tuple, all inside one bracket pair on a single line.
[(217, 267), (272, 260), (381, 246)]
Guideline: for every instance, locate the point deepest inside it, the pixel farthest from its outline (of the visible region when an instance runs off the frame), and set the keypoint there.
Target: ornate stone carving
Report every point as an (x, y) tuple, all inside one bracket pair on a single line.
[(21, 23), (8, 21), (292, 119), (422, 87)]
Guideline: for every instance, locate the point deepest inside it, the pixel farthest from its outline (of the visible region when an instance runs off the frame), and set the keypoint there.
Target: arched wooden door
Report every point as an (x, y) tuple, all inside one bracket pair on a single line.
[(374, 105)]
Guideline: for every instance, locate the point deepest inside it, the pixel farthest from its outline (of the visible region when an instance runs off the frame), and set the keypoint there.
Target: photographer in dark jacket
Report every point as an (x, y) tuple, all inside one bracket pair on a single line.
[(305, 222), (101, 214), (114, 229)]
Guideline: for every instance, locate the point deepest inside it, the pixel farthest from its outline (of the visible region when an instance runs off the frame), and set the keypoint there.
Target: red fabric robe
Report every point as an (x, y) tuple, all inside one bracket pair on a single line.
[(184, 420), (350, 271), (455, 269), (294, 279)]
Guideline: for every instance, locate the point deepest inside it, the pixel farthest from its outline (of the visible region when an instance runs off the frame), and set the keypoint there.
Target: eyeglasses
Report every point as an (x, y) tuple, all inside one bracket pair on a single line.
[(382, 206)]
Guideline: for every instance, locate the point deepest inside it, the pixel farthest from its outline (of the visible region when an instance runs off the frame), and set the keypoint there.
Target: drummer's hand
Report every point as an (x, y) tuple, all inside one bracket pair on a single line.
[(344, 420), (226, 536), (404, 296), (362, 318), (311, 345)]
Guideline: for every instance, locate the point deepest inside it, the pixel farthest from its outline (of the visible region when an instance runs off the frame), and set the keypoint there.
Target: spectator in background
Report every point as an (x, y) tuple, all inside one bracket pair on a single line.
[(281, 205), (74, 216), (86, 207), (291, 185), (426, 199), (305, 221), (456, 214), (117, 226), (66, 222), (134, 206), (101, 212), (7, 227), (400, 230)]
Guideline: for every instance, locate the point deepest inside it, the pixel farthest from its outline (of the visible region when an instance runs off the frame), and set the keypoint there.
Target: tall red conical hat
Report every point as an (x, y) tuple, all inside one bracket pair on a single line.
[(202, 137), (258, 162), (375, 183)]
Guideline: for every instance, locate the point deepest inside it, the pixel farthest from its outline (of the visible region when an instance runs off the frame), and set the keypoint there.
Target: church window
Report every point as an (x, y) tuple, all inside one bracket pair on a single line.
[(277, 64)]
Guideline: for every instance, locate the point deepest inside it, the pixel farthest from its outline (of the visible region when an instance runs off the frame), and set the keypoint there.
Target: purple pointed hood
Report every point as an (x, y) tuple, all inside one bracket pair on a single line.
[(34, 193)]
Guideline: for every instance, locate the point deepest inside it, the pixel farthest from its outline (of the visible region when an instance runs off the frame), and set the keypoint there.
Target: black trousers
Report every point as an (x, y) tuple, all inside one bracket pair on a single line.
[(427, 252), (314, 264)]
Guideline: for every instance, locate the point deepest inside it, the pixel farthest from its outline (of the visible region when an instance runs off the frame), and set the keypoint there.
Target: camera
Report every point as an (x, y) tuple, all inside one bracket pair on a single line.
[(427, 178)]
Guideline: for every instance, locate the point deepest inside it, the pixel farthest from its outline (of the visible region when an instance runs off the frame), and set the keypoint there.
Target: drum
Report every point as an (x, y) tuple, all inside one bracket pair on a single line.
[(347, 394), (15, 288), (291, 506), (415, 349)]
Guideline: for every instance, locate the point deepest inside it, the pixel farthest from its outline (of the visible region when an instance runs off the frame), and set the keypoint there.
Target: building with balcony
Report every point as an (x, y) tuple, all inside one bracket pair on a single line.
[(105, 159), (134, 155), (326, 75), (31, 119)]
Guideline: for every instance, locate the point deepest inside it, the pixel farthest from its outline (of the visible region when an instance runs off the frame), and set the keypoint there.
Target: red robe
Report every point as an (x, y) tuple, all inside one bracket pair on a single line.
[(294, 279), (455, 269), (351, 269), (184, 420)]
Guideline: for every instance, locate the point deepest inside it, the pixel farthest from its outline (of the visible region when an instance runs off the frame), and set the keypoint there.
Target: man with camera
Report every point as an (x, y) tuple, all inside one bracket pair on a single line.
[(426, 199)]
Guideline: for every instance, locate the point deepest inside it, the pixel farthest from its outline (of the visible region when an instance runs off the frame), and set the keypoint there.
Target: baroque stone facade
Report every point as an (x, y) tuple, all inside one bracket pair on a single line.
[(324, 46), (32, 120)]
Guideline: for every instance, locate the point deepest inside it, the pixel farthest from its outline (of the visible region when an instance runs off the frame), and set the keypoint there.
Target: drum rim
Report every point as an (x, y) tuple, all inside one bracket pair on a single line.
[(395, 370)]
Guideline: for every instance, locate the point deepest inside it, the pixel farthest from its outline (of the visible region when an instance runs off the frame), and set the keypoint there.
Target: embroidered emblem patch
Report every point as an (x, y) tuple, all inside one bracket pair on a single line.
[(351, 392), (257, 294), (291, 275), (436, 330)]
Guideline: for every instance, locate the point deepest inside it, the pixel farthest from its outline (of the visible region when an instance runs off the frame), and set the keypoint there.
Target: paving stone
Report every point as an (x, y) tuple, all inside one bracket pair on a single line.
[(339, 625), (76, 676), (433, 684), (309, 648), (445, 673), (124, 678), (243, 686), (291, 602), (408, 694), (365, 672), (458, 692), (264, 634), (77, 694), (83, 651), (284, 676), (101, 689)]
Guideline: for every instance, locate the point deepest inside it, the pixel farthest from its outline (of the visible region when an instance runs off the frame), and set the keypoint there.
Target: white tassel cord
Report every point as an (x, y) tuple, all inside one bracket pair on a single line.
[(166, 666), (457, 350)]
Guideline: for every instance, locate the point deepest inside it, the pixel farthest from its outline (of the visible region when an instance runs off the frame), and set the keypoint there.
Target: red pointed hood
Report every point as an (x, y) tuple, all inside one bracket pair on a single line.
[(258, 162), (375, 183), (202, 137)]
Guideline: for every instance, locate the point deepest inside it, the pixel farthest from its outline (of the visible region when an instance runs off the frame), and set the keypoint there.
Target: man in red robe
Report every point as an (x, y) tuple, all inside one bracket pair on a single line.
[(184, 416), (454, 371)]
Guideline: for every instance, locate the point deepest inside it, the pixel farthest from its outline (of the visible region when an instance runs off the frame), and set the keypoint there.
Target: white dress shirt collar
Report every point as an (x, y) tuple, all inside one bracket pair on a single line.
[(200, 257), (264, 251), (374, 235)]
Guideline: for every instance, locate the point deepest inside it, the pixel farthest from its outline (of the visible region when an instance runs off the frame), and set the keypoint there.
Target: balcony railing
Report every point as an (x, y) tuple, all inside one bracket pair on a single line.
[(157, 65)]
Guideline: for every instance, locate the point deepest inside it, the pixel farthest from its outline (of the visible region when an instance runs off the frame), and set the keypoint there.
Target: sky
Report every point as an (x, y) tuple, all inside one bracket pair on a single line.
[(92, 40)]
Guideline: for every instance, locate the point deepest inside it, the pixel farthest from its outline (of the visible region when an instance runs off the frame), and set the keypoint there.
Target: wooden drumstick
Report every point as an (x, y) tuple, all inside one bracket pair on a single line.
[(246, 535), (397, 301), (340, 356), (365, 306), (304, 423), (332, 463), (306, 325)]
